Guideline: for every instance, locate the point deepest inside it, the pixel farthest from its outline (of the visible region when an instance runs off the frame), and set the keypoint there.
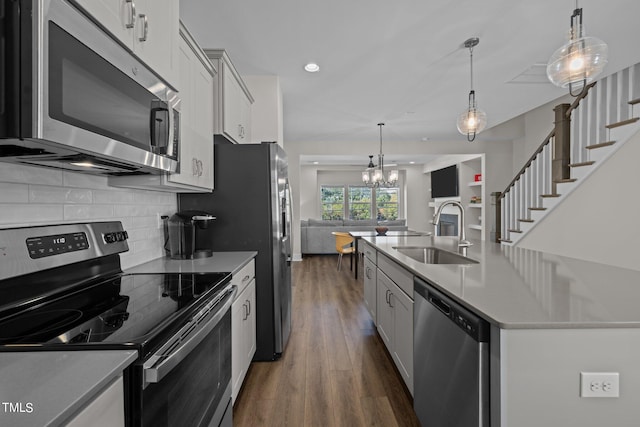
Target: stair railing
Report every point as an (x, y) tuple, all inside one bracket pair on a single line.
[(537, 177)]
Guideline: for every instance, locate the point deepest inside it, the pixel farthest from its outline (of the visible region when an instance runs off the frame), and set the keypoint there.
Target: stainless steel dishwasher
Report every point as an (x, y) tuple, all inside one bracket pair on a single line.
[(451, 361)]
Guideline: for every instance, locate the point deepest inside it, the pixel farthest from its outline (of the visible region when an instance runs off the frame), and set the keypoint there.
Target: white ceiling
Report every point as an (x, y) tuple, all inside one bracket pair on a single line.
[(402, 62)]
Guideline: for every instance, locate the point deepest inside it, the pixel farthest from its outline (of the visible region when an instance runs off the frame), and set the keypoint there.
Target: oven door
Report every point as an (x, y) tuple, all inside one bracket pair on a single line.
[(188, 383)]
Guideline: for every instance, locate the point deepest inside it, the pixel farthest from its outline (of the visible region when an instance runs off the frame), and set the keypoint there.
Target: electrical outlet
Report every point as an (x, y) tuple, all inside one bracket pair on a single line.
[(599, 384)]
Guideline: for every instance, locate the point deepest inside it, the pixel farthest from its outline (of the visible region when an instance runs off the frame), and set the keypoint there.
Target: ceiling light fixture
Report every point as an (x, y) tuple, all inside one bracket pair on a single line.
[(473, 120), (312, 67), (374, 175), (578, 61)]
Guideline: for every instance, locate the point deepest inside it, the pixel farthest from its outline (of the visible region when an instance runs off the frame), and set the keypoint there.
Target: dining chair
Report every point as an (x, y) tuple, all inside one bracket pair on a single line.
[(344, 245)]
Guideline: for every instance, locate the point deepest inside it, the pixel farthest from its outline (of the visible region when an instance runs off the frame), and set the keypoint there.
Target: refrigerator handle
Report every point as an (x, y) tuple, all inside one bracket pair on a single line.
[(287, 212)]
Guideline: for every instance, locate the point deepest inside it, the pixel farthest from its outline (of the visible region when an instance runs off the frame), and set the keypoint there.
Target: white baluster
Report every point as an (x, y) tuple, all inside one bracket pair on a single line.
[(635, 84), (624, 93)]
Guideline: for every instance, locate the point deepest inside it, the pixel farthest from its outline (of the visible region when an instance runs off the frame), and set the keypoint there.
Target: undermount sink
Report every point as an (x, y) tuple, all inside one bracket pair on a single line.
[(432, 255)]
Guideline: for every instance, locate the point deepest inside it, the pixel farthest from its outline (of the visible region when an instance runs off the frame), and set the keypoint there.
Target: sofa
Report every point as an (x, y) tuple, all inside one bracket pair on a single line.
[(316, 237)]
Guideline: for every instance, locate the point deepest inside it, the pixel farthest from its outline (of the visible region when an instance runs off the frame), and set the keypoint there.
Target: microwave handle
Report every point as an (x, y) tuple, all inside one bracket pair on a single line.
[(158, 148)]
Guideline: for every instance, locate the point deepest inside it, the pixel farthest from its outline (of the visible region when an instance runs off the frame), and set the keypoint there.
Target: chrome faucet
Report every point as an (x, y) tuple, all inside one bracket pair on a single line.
[(462, 236)]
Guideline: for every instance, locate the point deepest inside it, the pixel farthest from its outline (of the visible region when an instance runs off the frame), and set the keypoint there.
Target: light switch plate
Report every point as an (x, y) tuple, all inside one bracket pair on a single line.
[(599, 384)]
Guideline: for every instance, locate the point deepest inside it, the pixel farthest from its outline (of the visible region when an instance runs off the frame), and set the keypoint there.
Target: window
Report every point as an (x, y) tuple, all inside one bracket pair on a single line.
[(360, 202), (387, 203), (332, 202)]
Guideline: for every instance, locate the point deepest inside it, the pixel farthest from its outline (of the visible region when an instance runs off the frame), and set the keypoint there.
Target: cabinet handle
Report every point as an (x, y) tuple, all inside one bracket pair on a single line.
[(132, 14), (390, 296), (145, 27), (368, 273), (194, 166), (246, 312), (245, 278), (200, 168), (249, 305), (386, 296)]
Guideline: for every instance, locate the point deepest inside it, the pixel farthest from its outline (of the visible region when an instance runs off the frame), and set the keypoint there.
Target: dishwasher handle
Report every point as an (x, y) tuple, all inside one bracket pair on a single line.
[(440, 305)]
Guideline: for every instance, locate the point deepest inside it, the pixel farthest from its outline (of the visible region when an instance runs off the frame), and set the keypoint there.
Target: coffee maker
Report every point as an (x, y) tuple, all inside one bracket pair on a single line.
[(182, 230)]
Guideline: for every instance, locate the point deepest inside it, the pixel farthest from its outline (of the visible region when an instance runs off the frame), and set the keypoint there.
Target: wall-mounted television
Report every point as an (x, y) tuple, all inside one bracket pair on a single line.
[(444, 182)]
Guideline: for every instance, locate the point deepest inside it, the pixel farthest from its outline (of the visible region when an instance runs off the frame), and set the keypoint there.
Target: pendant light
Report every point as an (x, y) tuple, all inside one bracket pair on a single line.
[(473, 120), (579, 61), (374, 176)]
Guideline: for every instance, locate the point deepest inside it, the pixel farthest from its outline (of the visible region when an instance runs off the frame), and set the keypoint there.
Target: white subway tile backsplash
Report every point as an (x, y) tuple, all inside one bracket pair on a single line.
[(39, 196), (29, 174), (14, 193), (88, 212), (81, 180), (154, 197), (49, 194), (112, 197), (28, 214)]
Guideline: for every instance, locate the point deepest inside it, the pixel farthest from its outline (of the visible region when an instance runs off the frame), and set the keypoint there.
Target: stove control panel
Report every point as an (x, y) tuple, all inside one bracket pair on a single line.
[(116, 236), (44, 246)]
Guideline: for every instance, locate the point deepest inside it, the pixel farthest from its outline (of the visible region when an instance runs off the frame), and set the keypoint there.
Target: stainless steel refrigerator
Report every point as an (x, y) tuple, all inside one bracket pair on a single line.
[(252, 203)]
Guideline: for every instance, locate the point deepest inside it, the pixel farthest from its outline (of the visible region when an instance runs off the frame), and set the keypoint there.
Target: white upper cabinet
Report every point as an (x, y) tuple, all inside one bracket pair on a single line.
[(196, 136), (149, 28), (232, 100)]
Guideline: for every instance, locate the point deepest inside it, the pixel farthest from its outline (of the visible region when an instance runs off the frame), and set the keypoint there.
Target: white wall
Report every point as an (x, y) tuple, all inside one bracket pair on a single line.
[(541, 377), (538, 123), (39, 196), (598, 221)]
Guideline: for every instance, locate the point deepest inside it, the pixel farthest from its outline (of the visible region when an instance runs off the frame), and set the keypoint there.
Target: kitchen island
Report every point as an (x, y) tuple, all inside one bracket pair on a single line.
[(551, 318)]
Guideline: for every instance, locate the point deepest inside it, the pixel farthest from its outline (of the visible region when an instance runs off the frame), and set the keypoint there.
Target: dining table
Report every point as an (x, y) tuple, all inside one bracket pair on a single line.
[(357, 235)]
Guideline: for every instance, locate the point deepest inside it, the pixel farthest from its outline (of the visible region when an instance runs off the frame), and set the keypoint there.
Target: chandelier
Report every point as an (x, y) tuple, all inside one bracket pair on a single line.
[(578, 61), (374, 176), (473, 120)]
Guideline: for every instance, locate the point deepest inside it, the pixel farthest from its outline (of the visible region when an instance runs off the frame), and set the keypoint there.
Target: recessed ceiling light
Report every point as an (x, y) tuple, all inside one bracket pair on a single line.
[(316, 163), (312, 67), (412, 163)]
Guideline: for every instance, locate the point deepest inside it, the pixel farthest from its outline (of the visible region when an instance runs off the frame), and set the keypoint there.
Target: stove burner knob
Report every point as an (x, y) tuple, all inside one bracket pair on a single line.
[(109, 238)]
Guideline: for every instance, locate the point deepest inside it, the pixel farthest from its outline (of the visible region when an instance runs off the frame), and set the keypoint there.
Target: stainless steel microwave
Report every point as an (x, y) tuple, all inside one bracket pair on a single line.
[(72, 97)]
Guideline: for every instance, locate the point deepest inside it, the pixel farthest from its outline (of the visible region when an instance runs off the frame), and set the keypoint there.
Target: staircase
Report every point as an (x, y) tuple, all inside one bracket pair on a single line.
[(602, 119)]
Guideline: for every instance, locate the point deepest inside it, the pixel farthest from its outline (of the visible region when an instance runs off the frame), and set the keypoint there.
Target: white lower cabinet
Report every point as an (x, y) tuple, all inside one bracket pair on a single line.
[(243, 326), (395, 324), (370, 287), (105, 410)]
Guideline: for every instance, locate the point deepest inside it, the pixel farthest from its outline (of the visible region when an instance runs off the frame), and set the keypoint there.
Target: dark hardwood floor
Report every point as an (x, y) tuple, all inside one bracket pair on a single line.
[(335, 370)]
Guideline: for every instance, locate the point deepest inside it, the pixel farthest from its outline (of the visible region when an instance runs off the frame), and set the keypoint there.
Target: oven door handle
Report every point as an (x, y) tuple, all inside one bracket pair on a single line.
[(160, 364)]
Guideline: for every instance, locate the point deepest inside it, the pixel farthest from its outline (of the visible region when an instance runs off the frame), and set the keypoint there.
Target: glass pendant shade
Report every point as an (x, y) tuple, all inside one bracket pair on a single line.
[(577, 62), (471, 122)]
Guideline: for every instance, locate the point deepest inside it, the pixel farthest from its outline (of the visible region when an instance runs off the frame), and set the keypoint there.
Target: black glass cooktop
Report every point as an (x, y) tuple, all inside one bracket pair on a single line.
[(130, 309)]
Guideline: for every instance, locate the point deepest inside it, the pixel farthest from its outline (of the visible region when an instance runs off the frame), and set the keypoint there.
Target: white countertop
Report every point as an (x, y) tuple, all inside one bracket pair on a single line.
[(56, 384), (219, 262), (519, 288)]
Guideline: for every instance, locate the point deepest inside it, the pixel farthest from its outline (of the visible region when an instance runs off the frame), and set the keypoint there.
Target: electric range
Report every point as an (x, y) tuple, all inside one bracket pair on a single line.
[(62, 288)]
